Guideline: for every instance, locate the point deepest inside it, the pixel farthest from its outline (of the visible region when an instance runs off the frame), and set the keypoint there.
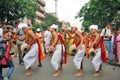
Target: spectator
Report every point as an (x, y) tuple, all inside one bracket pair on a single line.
[(118, 46), (106, 34)]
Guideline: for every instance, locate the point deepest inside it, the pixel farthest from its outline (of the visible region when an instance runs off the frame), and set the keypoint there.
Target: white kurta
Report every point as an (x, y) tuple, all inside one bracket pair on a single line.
[(30, 58), (57, 56), (47, 38), (97, 59), (79, 57)]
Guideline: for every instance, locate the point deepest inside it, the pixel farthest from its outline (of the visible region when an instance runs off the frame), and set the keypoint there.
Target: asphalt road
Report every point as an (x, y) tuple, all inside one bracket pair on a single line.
[(45, 72)]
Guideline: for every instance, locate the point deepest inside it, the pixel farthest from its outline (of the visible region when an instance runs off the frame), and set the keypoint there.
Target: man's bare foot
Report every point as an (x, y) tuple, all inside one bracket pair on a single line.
[(39, 65), (60, 68), (56, 75), (28, 73), (96, 74), (49, 54), (78, 74)]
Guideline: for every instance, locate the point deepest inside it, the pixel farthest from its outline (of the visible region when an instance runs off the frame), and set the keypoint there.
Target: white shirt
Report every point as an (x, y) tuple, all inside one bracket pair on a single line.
[(1, 33), (107, 33), (118, 37), (20, 29), (21, 33), (47, 36), (112, 39)]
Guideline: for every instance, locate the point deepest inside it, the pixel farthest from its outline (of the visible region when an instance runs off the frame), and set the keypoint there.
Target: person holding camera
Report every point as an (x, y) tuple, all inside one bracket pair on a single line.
[(106, 34)]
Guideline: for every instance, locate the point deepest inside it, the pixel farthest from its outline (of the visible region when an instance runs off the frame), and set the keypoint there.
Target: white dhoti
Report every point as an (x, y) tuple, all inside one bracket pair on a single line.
[(79, 57), (47, 45), (31, 56), (97, 59), (57, 56)]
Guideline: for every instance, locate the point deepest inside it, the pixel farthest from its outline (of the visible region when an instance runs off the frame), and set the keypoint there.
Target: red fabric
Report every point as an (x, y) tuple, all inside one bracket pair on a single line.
[(103, 51), (77, 43), (115, 47), (7, 55), (64, 56), (40, 55)]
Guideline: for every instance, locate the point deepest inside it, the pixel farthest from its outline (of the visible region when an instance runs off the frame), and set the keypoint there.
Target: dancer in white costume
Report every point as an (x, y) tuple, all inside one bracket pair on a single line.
[(32, 46), (98, 46), (78, 59), (58, 48)]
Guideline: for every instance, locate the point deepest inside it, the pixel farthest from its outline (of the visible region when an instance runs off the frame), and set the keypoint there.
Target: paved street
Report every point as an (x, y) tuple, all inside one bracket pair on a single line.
[(45, 73)]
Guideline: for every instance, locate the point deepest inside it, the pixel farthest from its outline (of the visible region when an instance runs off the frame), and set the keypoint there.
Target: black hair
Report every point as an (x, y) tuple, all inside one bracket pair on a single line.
[(18, 21)]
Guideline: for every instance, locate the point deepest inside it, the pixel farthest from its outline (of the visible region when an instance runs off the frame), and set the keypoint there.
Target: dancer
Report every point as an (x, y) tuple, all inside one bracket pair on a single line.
[(99, 48), (58, 49)]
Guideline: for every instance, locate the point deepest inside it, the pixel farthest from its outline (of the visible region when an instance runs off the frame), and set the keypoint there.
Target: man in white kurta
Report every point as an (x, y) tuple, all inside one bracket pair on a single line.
[(47, 39)]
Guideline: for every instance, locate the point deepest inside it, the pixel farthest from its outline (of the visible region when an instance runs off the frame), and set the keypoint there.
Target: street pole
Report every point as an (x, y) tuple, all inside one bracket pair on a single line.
[(56, 5)]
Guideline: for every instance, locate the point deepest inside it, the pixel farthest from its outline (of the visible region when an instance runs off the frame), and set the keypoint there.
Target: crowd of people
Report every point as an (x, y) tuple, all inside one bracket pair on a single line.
[(32, 46)]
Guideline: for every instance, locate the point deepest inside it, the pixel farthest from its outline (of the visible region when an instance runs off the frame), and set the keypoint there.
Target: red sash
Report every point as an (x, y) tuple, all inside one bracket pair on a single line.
[(77, 44), (103, 51), (64, 55), (40, 53)]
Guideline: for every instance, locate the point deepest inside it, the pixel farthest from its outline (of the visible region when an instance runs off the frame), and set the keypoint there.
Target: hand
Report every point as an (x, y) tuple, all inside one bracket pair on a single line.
[(51, 48), (15, 37), (47, 44), (93, 44), (28, 47)]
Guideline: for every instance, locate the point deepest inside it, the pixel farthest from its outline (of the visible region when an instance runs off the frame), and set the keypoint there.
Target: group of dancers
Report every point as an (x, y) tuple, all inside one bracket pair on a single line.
[(60, 46)]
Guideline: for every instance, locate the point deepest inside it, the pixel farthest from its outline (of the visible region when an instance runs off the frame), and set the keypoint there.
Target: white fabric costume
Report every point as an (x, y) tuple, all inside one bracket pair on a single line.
[(31, 56), (47, 39), (57, 56), (97, 59), (79, 57)]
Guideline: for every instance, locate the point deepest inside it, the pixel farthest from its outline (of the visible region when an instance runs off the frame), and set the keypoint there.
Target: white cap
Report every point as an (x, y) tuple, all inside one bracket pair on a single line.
[(23, 25), (38, 29), (93, 27), (54, 26)]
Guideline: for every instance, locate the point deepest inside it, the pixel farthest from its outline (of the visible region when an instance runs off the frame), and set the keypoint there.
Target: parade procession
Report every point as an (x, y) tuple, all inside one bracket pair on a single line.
[(48, 49)]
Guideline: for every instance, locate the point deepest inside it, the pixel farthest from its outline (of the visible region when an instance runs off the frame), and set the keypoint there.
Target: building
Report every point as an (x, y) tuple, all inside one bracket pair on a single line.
[(41, 11), (53, 14)]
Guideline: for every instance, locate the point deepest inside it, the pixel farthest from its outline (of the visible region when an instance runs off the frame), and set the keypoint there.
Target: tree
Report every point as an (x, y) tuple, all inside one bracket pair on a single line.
[(100, 12), (49, 20), (11, 10), (37, 25)]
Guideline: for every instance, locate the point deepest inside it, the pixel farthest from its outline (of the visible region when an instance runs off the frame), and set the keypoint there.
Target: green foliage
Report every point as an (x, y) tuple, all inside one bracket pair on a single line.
[(100, 12), (49, 20), (11, 10), (37, 25)]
